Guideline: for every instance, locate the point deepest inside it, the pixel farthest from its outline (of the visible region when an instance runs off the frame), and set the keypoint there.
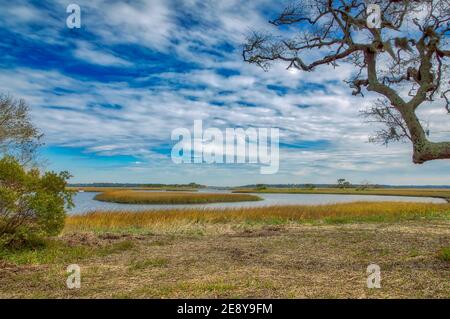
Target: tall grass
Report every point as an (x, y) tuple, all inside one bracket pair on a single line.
[(337, 213), (91, 189), (414, 192), (133, 197)]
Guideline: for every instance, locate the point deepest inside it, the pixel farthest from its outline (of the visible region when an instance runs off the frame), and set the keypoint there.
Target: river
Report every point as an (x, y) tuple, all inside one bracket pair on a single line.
[(84, 202)]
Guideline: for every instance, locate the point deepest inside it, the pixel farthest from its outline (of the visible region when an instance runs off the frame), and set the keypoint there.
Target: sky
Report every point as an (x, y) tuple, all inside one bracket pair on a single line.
[(107, 96)]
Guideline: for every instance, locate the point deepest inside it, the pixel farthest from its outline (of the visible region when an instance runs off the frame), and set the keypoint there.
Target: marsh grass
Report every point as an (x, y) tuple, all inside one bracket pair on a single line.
[(58, 252), (53, 252), (91, 189), (116, 248), (414, 192), (268, 252), (330, 214), (135, 197)]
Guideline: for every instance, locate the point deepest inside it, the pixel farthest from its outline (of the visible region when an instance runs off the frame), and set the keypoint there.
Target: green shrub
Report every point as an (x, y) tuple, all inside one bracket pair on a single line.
[(32, 205)]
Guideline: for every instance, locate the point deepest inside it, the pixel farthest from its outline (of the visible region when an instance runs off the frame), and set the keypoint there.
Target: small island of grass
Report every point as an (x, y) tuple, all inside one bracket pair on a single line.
[(135, 197), (409, 192)]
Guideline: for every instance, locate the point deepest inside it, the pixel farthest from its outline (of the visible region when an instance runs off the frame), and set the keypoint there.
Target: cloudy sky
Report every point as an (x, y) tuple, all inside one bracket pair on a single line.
[(107, 96)]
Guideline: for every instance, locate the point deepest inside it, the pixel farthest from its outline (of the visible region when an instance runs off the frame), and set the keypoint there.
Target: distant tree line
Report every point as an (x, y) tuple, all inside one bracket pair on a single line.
[(361, 185)]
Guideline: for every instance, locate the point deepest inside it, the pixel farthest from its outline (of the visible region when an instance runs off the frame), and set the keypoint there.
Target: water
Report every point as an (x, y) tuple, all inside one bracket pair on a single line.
[(84, 202)]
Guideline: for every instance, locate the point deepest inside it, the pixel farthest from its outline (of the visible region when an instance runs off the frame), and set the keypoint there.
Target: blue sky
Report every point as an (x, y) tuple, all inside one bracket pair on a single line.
[(107, 96)]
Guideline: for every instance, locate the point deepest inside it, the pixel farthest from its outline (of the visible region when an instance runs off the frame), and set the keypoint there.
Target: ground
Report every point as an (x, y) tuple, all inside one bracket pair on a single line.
[(289, 260)]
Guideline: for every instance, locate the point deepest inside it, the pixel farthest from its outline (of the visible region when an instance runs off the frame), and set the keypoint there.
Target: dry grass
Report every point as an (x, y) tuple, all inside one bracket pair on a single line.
[(337, 213), (134, 197), (243, 261), (268, 252), (414, 192)]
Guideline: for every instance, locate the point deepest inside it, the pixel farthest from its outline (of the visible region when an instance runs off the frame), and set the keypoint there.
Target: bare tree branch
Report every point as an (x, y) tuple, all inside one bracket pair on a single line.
[(410, 52)]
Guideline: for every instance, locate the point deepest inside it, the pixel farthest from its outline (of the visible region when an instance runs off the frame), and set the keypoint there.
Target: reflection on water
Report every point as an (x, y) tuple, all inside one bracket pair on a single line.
[(84, 202)]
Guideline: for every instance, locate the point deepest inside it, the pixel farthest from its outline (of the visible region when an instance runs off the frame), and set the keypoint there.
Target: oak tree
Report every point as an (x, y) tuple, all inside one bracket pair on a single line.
[(405, 61)]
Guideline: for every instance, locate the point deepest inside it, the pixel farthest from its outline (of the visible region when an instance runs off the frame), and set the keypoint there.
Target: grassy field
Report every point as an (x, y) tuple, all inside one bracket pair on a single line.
[(135, 197), (290, 252), (414, 192)]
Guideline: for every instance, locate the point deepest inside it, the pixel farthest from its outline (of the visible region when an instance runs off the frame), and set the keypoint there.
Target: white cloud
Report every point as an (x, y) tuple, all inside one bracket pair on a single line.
[(86, 52), (146, 23), (145, 116)]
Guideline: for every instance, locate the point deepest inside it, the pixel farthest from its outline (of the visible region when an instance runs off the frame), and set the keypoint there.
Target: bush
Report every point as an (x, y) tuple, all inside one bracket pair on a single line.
[(32, 205)]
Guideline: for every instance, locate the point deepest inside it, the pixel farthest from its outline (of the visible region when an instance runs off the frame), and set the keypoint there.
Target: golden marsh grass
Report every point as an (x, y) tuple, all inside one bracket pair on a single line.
[(91, 189), (414, 192), (135, 197), (268, 252), (337, 213)]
